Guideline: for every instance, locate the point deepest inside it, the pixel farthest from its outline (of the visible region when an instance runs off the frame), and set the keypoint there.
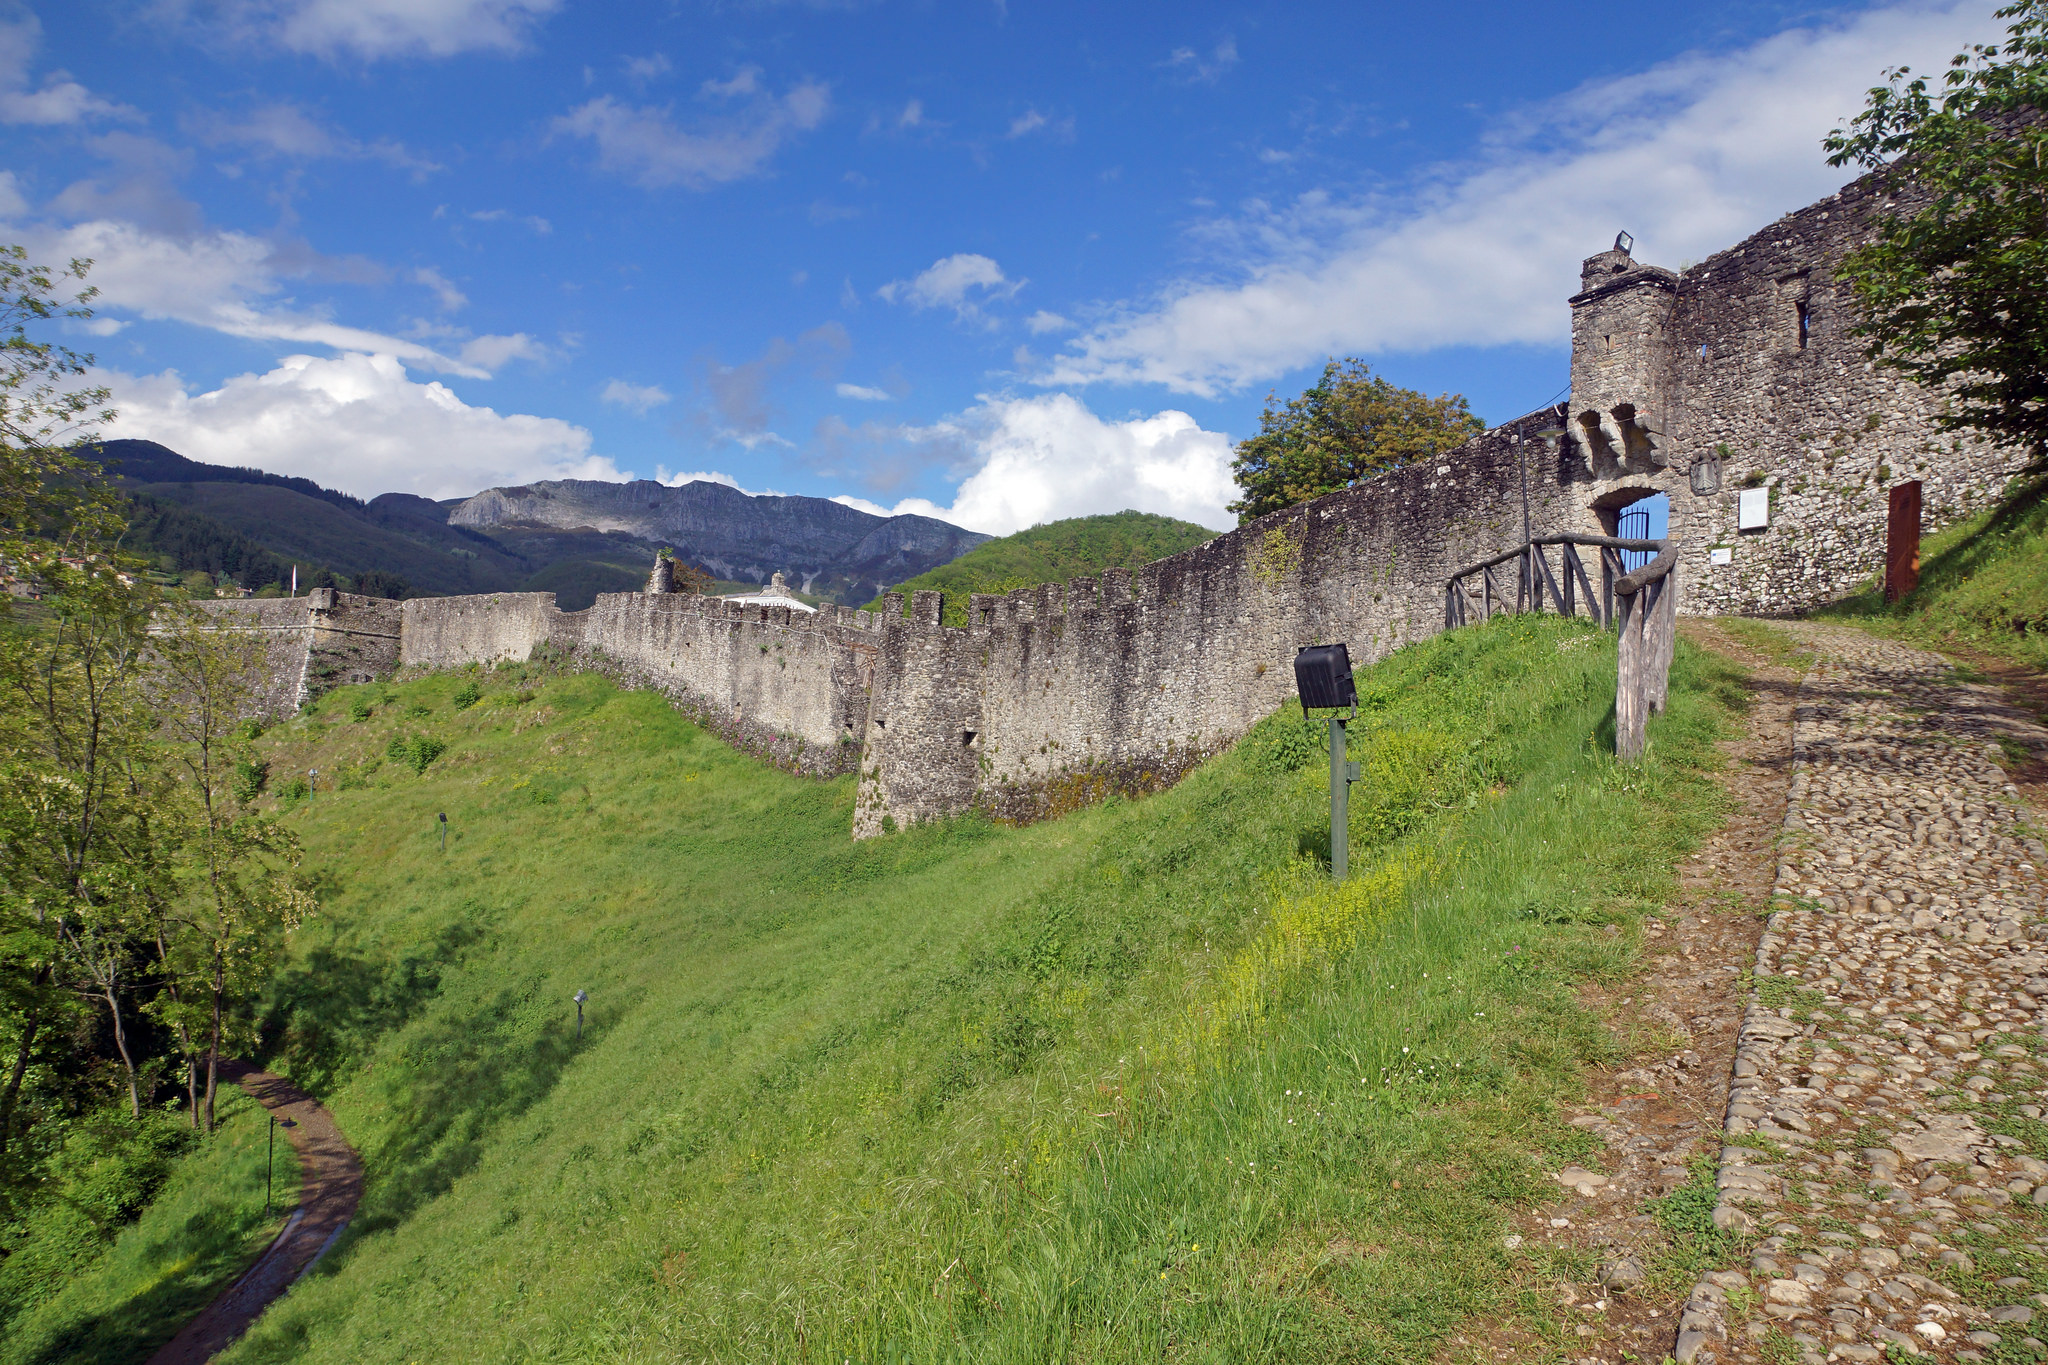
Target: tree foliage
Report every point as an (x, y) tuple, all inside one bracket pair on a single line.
[(1952, 288), (141, 903), (1351, 425)]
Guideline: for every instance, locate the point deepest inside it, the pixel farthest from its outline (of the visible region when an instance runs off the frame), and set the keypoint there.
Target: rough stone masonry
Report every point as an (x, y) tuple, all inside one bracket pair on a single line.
[(1737, 374)]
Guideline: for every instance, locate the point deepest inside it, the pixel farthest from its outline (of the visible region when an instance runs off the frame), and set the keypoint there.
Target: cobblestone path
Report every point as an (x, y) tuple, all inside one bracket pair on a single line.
[(1891, 1073)]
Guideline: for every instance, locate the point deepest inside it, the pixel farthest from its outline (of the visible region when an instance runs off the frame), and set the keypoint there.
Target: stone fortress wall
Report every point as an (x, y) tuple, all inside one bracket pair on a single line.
[(1738, 372)]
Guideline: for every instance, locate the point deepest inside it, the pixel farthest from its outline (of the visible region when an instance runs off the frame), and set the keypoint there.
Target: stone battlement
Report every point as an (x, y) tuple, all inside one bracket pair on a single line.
[(1740, 372)]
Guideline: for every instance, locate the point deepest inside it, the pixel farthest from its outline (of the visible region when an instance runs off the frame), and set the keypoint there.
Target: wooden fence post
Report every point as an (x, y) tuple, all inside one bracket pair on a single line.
[(1665, 632), (1630, 711)]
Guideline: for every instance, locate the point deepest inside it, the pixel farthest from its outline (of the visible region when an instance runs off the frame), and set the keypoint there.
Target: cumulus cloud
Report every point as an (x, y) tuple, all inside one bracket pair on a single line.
[(641, 398), (354, 422), (1047, 457), (647, 145), (948, 282), (381, 28), (641, 70), (1041, 322), (1690, 156), (860, 393), (59, 99), (223, 280)]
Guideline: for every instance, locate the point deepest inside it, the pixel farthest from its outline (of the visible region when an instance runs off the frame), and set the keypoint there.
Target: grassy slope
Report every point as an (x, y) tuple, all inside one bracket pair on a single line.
[(1983, 583), (1056, 552), (204, 1228), (1132, 1085)]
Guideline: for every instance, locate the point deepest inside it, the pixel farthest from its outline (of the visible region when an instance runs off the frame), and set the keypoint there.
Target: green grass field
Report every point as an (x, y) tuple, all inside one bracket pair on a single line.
[(203, 1229), (1983, 584), (1135, 1085)]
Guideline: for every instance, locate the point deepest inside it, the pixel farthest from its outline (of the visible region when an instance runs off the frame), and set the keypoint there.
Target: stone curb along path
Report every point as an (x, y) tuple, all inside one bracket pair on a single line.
[(1884, 1122), (331, 1184)]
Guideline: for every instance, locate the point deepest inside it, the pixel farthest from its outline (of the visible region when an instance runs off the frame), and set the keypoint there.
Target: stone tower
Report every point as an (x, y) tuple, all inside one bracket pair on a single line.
[(1621, 364)]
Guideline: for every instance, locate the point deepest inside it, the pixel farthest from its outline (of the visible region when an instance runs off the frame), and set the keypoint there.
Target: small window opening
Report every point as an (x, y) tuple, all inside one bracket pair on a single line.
[(967, 738), (1609, 341), (1805, 324)]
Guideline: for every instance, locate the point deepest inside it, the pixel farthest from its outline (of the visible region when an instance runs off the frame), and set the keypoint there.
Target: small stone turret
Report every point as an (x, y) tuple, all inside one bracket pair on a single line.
[(1621, 363), (663, 579)]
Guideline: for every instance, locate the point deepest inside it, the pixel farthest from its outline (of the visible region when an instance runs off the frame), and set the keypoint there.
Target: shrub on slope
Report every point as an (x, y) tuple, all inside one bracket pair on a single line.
[(1103, 1088)]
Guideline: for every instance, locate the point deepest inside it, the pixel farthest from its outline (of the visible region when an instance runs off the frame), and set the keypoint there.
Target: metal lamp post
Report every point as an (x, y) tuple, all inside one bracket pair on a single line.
[(444, 831), (1322, 675), (270, 1160), (579, 998), (312, 782)]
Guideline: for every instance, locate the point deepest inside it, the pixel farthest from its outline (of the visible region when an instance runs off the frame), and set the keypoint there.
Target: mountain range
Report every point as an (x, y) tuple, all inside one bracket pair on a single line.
[(575, 538)]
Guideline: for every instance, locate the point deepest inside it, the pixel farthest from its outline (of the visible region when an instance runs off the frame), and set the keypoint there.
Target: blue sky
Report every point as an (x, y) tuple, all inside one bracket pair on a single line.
[(999, 262)]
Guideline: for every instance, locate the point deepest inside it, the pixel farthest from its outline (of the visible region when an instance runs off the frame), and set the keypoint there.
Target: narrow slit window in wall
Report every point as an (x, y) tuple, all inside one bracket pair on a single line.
[(1805, 323)]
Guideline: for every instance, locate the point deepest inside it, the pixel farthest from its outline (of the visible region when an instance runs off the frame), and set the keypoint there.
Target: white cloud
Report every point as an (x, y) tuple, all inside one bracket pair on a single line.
[(217, 280), (860, 393), (353, 422), (59, 100), (1032, 121), (283, 129), (13, 203), (912, 115), (541, 227), (386, 28), (745, 81), (1193, 66), (1048, 457), (1690, 156), (445, 293), (647, 145), (947, 283), (1041, 322), (489, 353), (641, 398), (640, 70)]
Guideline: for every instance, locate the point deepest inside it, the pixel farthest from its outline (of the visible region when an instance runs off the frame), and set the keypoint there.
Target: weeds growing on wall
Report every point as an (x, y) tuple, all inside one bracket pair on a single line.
[(1138, 1084)]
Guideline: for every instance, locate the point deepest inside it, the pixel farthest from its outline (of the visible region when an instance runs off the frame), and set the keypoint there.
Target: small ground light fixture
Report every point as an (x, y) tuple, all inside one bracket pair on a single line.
[(444, 831), (1322, 675), (579, 998), (270, 1162), (312, 782)]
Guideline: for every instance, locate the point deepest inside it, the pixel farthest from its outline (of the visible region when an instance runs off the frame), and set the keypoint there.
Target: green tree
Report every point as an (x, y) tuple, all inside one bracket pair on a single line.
[(1350, 426), (1951, 286), (219, 940), (45, 413)]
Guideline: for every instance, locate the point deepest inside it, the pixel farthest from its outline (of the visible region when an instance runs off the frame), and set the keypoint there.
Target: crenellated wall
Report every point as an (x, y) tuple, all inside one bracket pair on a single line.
[(1740, 371)]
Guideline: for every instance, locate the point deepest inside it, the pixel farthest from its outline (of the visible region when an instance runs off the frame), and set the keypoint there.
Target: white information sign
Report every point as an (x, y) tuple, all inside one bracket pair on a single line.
[(1753, 509)]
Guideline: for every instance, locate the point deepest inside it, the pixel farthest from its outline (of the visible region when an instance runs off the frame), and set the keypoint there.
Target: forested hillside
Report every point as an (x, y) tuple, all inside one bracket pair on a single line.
[(1054, 553)]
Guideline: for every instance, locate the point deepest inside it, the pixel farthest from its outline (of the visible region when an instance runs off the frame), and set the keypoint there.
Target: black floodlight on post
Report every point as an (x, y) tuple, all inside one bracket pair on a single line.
[(579, 998), (444, 831), (1322, 675)]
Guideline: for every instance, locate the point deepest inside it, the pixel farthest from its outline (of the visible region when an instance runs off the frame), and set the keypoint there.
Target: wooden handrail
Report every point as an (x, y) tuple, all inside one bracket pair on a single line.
[(1660, 547)]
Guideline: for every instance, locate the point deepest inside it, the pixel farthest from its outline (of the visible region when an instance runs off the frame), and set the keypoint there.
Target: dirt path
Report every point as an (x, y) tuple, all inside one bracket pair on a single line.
[(331, 1183)]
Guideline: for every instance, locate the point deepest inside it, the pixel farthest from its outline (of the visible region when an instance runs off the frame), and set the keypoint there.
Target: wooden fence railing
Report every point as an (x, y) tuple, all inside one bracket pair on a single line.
[(1642, 603)]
